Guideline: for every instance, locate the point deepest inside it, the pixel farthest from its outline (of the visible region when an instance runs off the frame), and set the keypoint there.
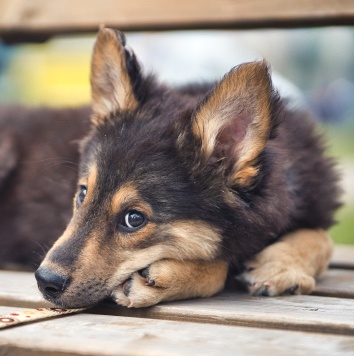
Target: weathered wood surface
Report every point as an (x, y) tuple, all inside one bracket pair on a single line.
[(20, 289), (305, 313), (26, 18), (336, 283), (114, 335), (343, 257), (228, 324)]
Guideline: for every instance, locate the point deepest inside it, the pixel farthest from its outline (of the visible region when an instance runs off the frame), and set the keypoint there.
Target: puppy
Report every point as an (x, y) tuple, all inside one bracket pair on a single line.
[(178, 187)]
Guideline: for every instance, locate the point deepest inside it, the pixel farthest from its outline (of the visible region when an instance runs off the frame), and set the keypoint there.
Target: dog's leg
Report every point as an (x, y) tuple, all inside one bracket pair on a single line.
[(290, 265), (167, 280)]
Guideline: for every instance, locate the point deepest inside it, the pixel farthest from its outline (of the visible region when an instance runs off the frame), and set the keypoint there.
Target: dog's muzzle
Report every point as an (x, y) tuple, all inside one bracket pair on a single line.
[(51, 284)]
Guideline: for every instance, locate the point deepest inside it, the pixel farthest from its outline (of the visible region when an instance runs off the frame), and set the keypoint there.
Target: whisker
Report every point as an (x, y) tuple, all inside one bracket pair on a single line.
[(58, 159)]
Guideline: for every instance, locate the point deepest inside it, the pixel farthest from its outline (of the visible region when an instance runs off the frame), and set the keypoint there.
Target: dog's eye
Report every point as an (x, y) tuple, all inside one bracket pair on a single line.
[(81, 195), (132, 221)]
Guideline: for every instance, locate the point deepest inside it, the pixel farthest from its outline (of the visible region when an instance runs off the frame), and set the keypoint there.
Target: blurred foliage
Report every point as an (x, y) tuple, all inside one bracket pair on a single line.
[(341, 147), (55, 73)]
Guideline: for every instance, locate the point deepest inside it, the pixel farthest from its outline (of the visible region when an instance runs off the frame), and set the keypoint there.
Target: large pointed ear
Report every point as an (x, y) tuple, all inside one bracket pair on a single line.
[(234, 121), (112, 75)]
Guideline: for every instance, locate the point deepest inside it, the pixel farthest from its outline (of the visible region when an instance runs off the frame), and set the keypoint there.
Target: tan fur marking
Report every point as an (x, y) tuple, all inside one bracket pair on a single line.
[(244, 91), (194, 239), (295, 261), (303, 244), (91, 181), (185, 240), (127, 193), (258, 134), (174, 280), (90, 263), (130, 240), (112, 90)]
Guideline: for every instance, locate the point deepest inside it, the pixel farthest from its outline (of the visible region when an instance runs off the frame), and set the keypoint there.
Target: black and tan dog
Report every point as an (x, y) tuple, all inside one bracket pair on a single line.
[(179, 186)]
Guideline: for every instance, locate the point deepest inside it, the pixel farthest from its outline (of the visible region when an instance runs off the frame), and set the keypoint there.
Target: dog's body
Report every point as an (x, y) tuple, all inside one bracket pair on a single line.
[(179, 186), (38, 170)]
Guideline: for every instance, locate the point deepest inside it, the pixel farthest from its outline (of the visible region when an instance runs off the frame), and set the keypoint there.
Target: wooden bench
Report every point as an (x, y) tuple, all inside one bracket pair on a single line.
[(232, 322), (228, 324), (39, 19)]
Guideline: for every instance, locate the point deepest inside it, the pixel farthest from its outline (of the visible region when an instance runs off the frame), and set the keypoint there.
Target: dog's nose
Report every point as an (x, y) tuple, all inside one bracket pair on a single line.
[(51, 284)]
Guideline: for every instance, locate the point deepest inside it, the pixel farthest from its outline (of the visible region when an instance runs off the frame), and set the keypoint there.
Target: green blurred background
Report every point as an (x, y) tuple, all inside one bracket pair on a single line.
[(316, 68)]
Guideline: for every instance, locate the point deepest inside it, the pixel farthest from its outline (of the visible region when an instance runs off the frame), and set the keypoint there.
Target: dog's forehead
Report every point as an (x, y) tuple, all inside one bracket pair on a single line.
[(144, 160), (127, 150)]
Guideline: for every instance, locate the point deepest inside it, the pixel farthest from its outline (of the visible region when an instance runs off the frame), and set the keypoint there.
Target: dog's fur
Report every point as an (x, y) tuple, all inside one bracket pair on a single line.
[(218, 177), (38, 171)]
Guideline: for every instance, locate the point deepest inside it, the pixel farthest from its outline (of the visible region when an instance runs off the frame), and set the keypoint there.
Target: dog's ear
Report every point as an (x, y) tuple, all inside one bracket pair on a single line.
[(234, 121), (113, 72)]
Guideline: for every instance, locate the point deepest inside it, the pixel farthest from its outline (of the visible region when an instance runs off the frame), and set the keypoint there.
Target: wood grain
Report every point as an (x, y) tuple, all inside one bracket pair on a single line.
[(20, 289), (26, 18), (113, 335), (343, 257), (306, 313), (336, 283)]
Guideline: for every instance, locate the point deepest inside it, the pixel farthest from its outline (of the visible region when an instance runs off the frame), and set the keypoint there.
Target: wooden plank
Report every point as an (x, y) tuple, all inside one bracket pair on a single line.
[(343, 257), (305, 313), (113, 335), (36, 17), (310, 313), (20, 289), (336, 283)]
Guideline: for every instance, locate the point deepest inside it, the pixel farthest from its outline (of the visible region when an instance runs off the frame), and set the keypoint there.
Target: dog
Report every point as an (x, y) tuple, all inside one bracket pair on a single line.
[(38, 171), (180, 187)]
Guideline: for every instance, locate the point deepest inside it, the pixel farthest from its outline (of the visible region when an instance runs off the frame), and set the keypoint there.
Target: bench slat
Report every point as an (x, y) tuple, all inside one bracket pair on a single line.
[(336, 283), (20, 289), (114, 335), (305, 313), (23, 17), (343, 257), (310, 313)]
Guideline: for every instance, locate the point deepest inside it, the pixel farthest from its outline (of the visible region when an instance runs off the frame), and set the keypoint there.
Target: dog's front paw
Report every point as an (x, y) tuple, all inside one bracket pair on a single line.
[(167, 280), (144, 288), (276, 270)]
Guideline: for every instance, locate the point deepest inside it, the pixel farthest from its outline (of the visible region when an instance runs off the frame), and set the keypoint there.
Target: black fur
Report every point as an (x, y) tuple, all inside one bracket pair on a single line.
[(154, 148), (295, 188)]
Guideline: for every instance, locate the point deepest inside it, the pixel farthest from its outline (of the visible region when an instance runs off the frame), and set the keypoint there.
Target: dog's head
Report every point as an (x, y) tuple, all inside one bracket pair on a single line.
[(159, 175)]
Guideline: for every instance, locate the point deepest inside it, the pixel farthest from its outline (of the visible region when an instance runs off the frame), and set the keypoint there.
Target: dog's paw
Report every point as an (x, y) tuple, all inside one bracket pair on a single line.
[(275, 271), (144, 288), (167, 280)]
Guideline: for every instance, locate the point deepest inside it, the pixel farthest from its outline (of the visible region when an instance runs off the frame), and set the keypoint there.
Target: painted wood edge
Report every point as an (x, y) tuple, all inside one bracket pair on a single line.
[(30, 20)]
